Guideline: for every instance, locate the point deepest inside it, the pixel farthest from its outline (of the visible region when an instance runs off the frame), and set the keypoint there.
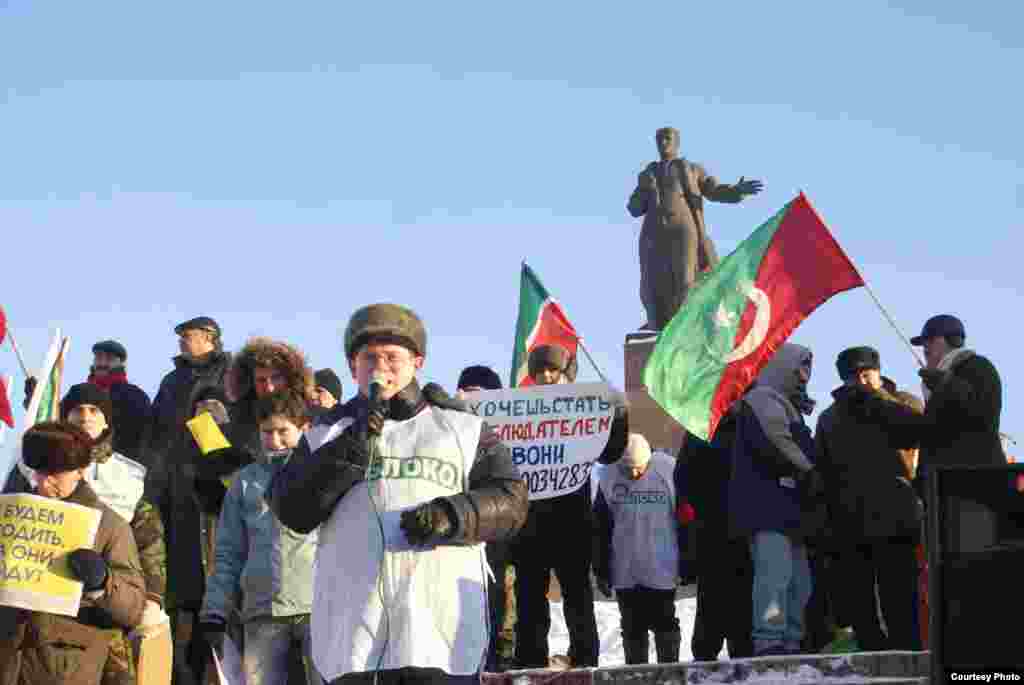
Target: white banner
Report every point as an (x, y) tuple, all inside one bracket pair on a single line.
[(555, 432)]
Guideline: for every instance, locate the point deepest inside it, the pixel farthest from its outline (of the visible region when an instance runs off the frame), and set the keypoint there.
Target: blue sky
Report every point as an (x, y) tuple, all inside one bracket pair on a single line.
[(278, 165)]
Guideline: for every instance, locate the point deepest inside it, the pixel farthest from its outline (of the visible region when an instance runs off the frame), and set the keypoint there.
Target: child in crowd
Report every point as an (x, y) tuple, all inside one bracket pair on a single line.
[(270, 565), (639, 549)]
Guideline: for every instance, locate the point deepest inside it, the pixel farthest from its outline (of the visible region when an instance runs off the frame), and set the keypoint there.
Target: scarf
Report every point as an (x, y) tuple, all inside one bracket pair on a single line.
[(952, 358), (114, 377)]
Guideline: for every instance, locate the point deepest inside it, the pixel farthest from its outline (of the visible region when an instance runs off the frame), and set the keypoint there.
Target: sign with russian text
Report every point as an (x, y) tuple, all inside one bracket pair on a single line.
[(555, 432), (36, 535)]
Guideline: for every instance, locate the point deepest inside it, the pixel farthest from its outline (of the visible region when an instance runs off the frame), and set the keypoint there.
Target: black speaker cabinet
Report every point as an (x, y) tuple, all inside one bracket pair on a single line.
[(975, 533)]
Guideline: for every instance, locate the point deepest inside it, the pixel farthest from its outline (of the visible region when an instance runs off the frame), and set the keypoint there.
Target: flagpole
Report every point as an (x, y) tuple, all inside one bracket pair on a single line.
[(24, 369), (892, 323), (579, 341)]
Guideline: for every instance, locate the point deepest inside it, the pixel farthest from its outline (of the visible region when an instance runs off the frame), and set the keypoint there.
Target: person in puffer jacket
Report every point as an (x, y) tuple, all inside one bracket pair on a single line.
[(772, 495), (268, 564)]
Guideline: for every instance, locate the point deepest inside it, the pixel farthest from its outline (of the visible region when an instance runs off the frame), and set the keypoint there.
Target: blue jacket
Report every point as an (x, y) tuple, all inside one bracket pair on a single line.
[(268, 563), (773, 446)]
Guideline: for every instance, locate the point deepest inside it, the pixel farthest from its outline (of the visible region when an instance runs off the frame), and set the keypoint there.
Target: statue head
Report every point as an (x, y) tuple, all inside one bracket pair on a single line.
[(667, 140)]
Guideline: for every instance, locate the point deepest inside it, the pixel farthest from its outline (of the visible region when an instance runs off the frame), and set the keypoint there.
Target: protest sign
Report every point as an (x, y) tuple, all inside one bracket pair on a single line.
[(555, 432), (36, 535)]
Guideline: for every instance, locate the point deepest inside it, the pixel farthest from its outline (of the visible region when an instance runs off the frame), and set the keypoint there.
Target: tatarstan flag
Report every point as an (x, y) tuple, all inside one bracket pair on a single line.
[(541, 322), (733, 321)]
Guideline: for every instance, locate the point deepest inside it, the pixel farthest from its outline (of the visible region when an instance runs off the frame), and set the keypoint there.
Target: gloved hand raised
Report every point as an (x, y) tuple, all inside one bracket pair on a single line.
[(89, 567), (427, 523)]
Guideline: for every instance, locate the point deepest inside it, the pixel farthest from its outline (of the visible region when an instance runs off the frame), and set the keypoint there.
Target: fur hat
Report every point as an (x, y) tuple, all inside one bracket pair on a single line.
[(87, 393), (852, 360), (111, 347), (54, 447), (479, 376), (546, 356), (275, 354), (387, 323), (329, 381)]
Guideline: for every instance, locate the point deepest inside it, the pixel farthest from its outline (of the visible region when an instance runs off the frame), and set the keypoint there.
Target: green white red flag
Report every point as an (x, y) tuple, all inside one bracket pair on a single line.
[(542, 321), (738, 315), (44, 405)]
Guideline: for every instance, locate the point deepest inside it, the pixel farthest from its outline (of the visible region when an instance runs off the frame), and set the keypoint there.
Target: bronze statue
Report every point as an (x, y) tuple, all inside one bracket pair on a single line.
[(674, 246)]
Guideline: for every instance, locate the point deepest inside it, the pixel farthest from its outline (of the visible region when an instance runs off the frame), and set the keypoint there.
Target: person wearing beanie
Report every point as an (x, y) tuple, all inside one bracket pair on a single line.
[(113, 596), (500, 589), (640, 542), (202, 363), (119, 483), (132, 410), (407, 484), (557, 538), (875, 515), (326, 392)]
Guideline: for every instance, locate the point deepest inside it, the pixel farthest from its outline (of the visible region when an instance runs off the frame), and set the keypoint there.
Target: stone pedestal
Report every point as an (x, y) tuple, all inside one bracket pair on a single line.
[(645, 415)]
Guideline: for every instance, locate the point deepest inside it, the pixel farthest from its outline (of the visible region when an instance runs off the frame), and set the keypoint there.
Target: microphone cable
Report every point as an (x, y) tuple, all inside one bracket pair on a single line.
[(375, 456)]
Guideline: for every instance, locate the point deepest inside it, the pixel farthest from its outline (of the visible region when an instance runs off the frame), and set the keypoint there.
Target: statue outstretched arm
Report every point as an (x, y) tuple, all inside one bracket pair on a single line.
[(711, 189)]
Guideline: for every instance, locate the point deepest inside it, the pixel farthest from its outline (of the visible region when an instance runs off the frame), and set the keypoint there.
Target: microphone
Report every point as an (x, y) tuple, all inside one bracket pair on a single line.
[(377, 383)]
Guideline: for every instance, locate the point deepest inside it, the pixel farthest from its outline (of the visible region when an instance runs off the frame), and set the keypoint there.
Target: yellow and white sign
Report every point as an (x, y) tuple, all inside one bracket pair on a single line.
[(36, 535)]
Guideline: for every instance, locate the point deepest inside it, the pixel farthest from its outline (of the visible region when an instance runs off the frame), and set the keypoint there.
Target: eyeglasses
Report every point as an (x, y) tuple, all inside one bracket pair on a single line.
[(391, 359)]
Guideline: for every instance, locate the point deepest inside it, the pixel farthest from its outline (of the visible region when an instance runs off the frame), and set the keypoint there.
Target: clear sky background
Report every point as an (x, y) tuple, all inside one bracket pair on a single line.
[(276, 166)]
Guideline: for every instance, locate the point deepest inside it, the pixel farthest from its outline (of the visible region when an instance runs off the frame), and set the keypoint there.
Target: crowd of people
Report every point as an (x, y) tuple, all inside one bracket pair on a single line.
[(390, 537)]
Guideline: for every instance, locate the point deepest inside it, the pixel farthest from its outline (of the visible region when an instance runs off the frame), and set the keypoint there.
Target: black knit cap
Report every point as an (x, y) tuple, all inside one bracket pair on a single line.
[(203, 323), (854, 359), (87, 393), (111, 347), (56, 446), (479, 376), (329, 381)]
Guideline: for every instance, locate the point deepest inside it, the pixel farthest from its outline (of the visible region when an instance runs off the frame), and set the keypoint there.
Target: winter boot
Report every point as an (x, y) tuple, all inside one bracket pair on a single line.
[(637, 649), (667, 646)]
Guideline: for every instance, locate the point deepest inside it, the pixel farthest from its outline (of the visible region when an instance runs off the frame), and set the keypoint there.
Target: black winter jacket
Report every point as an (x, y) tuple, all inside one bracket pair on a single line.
[(304, 493)]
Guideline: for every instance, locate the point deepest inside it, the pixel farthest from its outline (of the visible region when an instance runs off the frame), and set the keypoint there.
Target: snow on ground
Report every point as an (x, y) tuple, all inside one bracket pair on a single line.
[(608, 632)]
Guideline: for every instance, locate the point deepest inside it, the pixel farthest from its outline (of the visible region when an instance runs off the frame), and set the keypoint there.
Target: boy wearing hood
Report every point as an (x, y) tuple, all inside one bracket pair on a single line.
[(773, 480)]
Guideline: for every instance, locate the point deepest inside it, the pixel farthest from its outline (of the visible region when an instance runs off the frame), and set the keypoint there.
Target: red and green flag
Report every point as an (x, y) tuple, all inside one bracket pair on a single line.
[(5, 404), (735, 319), (541, 322)]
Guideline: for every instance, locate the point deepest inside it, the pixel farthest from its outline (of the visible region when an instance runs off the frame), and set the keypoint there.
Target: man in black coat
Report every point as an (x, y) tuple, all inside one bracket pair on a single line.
[(875, 514), (723, 566), (963, 401), (131, 406)]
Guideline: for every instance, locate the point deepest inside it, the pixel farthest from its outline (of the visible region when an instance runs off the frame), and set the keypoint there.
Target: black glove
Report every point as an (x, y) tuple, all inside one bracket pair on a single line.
[(213, 635), (30, 387), (933, 378), (427, 522), (811, 484), (89, 567)]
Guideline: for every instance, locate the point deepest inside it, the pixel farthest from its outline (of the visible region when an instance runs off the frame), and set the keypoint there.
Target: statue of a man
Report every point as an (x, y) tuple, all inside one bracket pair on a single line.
[(674, 246)]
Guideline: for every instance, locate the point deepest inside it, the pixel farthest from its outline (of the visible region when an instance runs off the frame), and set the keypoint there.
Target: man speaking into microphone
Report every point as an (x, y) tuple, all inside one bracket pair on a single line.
[(405, 487)]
